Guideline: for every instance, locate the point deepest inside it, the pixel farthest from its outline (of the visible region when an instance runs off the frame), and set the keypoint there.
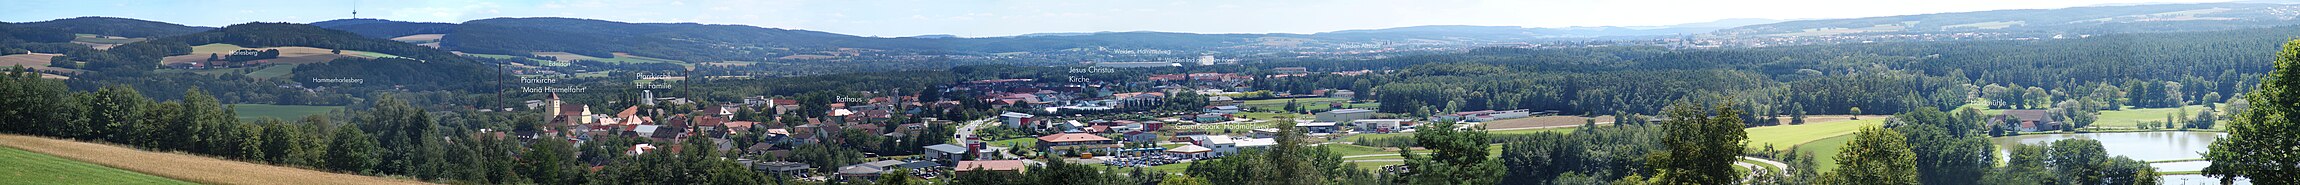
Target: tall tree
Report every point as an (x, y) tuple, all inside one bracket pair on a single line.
[(2259, 144), (1703, 144), (352, 150), (1458, 158), (1948, 149), (1875, 156)]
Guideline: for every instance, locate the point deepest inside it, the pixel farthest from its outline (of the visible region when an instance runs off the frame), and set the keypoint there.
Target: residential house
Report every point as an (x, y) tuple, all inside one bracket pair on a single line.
[(2030, 120)]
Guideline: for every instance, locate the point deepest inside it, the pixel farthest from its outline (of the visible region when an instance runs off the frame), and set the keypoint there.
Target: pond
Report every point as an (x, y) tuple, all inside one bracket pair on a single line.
[(2195, 180), (2145, 146)]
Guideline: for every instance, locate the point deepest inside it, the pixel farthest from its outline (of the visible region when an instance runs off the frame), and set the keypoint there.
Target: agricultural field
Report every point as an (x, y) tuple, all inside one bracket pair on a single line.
[(620, 58), (284, 112), (288, 55), (26, 167), (199, 169), (626, 58), (1781, 137), (1825, 151), (2131, 117), (562, 56), (36, 61), (495, 56), (101, 42), (419, 38)]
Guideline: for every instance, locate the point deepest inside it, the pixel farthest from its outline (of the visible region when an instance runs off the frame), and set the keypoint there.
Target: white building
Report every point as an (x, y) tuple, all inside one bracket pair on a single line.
[(1345, 115), (1015, 119), (1381, 125)]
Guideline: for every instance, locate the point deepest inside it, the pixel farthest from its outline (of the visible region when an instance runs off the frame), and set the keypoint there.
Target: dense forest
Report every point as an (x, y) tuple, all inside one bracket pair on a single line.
[(2147, 70)]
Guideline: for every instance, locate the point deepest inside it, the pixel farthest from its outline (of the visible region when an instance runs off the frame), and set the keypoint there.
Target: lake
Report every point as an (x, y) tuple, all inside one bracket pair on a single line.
[(2145, 146)]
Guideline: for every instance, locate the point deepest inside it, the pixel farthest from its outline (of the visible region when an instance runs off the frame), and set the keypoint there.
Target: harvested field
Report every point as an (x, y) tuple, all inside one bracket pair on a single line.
[(288, 55), (25, 167), (36, 61), (419, 38), (185, 167)]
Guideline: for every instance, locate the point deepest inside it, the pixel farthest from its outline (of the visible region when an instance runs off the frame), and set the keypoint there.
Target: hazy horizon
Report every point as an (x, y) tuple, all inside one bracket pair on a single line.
[(1008, 18)]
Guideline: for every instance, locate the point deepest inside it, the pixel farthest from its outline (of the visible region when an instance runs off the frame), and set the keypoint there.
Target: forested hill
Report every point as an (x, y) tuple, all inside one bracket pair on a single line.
[(2077, 20), (2154, 69), (423, 67), (112, 26), (2105, 57), (385, 29), (706, 42), (683, 41)]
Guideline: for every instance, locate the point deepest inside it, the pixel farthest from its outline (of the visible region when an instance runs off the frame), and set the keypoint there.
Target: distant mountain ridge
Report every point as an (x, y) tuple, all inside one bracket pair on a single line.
[(708, 42), (2075, 20), (113, 26)]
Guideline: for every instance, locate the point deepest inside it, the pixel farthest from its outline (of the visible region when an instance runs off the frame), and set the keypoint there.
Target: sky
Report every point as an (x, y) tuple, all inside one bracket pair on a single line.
[(985, 18)]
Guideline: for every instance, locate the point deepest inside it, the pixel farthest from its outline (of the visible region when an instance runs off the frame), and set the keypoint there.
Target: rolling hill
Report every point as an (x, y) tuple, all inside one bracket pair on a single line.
[(2077, 20), (113, 26), (707, 42), (379, 28)]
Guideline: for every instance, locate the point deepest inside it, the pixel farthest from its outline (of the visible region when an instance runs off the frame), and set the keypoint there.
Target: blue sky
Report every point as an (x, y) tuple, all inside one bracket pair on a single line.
[(976, 18)]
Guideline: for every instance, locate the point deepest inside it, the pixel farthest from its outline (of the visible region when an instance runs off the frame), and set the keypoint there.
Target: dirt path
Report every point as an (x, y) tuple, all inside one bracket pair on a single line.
[(185, 167)]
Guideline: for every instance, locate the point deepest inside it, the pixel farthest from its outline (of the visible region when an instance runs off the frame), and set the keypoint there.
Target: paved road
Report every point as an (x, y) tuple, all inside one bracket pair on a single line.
[(1784, 166), (1753, 168), (967, 130)]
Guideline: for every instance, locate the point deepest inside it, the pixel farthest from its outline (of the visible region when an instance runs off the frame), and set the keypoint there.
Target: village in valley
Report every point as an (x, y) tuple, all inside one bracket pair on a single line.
[(1083, 121)]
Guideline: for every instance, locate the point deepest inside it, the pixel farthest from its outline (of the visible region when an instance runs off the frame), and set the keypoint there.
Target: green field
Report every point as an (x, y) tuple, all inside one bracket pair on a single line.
[(25, 167), (1350, 150), (284, 112), (1825, 151), (1028, 142), (2131, 117), (538, 61), (1785, 135), (98, 39), (1270, 115), (273, 71), (1353, 137), (1377, 165), (1175, 168), (633, 59)]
